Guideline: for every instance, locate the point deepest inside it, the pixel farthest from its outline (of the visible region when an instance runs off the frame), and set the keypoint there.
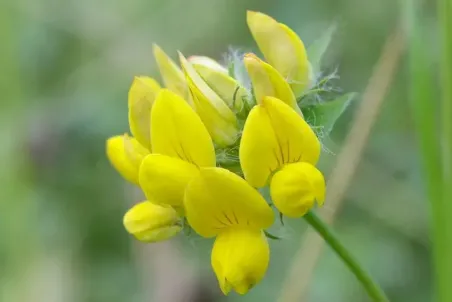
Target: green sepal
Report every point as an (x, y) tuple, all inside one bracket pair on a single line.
[(323, 116)]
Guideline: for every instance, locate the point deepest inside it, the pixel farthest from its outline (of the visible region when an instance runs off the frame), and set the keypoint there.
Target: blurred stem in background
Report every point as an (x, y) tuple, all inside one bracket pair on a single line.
[(435, 137), (18, 240)]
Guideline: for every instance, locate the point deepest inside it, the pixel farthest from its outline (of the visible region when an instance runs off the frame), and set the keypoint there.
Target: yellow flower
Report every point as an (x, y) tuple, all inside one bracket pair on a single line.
[(215, 113), (267, 81), (141, 97), (220, 203), (274, 139), (150, 222), (180, 146), (282, 48), (172, 75), (218, 79), (125, 154)]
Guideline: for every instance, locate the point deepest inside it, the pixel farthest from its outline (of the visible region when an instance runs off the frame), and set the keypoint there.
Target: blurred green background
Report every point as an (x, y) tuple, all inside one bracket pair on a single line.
[(65, 70)]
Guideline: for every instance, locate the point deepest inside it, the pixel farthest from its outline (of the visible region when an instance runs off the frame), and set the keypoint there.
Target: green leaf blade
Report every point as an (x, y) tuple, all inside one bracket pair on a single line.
[(322, 117)]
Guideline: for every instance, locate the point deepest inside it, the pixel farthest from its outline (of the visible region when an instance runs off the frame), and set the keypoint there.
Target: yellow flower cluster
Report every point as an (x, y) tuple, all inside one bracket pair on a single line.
[(176, 131)]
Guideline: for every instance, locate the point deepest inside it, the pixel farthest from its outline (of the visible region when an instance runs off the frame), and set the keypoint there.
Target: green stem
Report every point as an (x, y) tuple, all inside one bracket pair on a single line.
[(443, 223), (436, 149), (372, 288)]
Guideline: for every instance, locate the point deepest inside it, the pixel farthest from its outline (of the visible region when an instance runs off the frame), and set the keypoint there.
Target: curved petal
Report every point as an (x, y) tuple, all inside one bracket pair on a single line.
[(240, 259), (267, 81), (220, 121), (150, 222), (164, 179), (177, 131), (141, 97), (172, 75), (208, 63), (227, 88), (275, 135), (282, 48), (217, 199), (295, 187), (125, 155)]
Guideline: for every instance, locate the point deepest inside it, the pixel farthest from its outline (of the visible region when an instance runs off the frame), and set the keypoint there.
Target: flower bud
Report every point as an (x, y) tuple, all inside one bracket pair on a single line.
[(282, 48), (218, 79), (208, 63), (172, 75), (218, 118), (151, 222), (267, 81)]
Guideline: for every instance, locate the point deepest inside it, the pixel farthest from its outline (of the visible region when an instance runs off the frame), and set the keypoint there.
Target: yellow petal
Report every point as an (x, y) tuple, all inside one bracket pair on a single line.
[(275, 135), (164, 179), (208, 63), (150, 222), (295, 187), (240, 259), (125, 155), (227, 88), (141, 97), (220, 121), (282, 48), (267, 81), (217, 199), (177, 131), (172, 75)]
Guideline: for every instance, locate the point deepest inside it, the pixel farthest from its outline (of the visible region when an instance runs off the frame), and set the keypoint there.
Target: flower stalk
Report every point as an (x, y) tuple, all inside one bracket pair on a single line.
[(371, 287)]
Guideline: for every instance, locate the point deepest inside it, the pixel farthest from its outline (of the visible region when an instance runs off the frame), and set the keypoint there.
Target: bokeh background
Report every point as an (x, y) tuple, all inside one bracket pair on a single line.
[(65, 70)]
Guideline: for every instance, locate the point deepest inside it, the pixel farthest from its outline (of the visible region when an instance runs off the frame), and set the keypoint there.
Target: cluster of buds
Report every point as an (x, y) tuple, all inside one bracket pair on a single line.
[(202, 146)]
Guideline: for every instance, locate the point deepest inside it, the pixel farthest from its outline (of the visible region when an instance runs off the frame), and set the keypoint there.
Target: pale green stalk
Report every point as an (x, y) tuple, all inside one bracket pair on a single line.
[(443, 221), (371, 287), (434, 134)]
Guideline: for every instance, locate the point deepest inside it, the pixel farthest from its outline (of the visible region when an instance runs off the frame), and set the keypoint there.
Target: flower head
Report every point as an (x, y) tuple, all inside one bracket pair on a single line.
[(282, 48), (259, 133), (150, 222)]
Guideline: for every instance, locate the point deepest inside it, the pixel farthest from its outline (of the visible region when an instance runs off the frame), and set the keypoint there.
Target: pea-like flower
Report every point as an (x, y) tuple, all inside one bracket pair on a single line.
[(220, 203), (267, 81), (260, 135), (282, 48), (279, 148), (125, 154), (150, 222), (214, 111), (180, 146)]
